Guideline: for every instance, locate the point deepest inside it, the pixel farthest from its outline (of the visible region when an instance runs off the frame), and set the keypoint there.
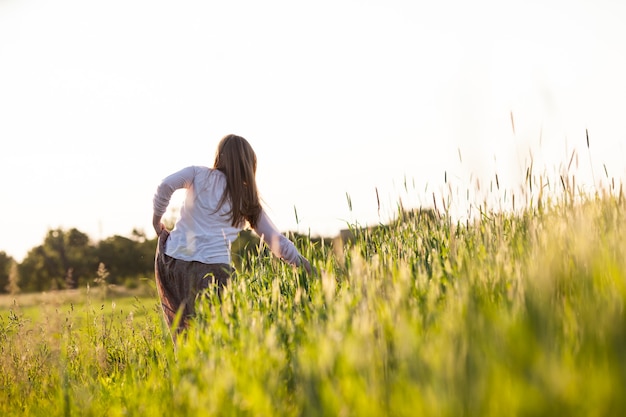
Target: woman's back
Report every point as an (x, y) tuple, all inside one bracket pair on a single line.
[(203, 231)]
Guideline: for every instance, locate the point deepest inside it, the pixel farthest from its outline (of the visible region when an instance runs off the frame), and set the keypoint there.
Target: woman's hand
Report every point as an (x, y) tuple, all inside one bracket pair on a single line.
[(158, 225), (304, 263)]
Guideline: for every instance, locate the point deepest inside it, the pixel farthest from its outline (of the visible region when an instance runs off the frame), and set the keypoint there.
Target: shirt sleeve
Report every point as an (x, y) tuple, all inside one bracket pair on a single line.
[(278, 244), (175, 181)]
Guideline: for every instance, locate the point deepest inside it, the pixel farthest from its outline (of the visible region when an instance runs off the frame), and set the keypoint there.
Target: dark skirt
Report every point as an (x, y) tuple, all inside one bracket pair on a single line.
[(180, 282)]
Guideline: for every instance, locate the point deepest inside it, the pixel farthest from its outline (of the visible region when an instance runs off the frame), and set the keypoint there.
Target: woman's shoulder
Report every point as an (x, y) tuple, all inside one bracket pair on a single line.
[(203, 168), (200, 168), (209, 175), (205, 171), (194, 170), (211, 185)]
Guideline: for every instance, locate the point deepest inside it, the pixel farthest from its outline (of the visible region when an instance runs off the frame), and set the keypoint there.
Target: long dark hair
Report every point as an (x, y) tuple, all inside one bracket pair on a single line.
[(236, 159)]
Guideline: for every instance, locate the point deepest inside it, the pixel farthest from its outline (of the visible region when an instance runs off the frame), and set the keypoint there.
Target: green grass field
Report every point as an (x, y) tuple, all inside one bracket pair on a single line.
[(510, 315)]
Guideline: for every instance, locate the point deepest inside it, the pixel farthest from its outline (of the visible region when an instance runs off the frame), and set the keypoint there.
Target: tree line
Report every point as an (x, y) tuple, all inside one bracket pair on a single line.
[(68, 259)]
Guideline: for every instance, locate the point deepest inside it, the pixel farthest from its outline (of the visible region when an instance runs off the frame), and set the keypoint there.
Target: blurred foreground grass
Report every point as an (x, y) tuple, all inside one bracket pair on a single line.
[(513, 314)]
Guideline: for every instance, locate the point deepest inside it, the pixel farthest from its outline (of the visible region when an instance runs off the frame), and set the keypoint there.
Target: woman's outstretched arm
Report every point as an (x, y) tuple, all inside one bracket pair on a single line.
[(279, 244)]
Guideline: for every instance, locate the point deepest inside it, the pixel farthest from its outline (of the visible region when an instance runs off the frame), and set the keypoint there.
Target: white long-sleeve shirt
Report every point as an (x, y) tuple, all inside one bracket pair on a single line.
[(204, 234)]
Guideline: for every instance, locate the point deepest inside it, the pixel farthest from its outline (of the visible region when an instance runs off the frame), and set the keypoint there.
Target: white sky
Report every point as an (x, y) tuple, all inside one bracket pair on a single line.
[(101, 100)]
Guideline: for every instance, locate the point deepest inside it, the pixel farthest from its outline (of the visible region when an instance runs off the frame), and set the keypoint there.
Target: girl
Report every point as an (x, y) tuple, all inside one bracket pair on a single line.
[(218, 203)]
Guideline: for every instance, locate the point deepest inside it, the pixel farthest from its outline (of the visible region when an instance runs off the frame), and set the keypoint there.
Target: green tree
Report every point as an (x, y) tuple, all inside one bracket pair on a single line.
[(127, 258), (5, 269), (65, 260)]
